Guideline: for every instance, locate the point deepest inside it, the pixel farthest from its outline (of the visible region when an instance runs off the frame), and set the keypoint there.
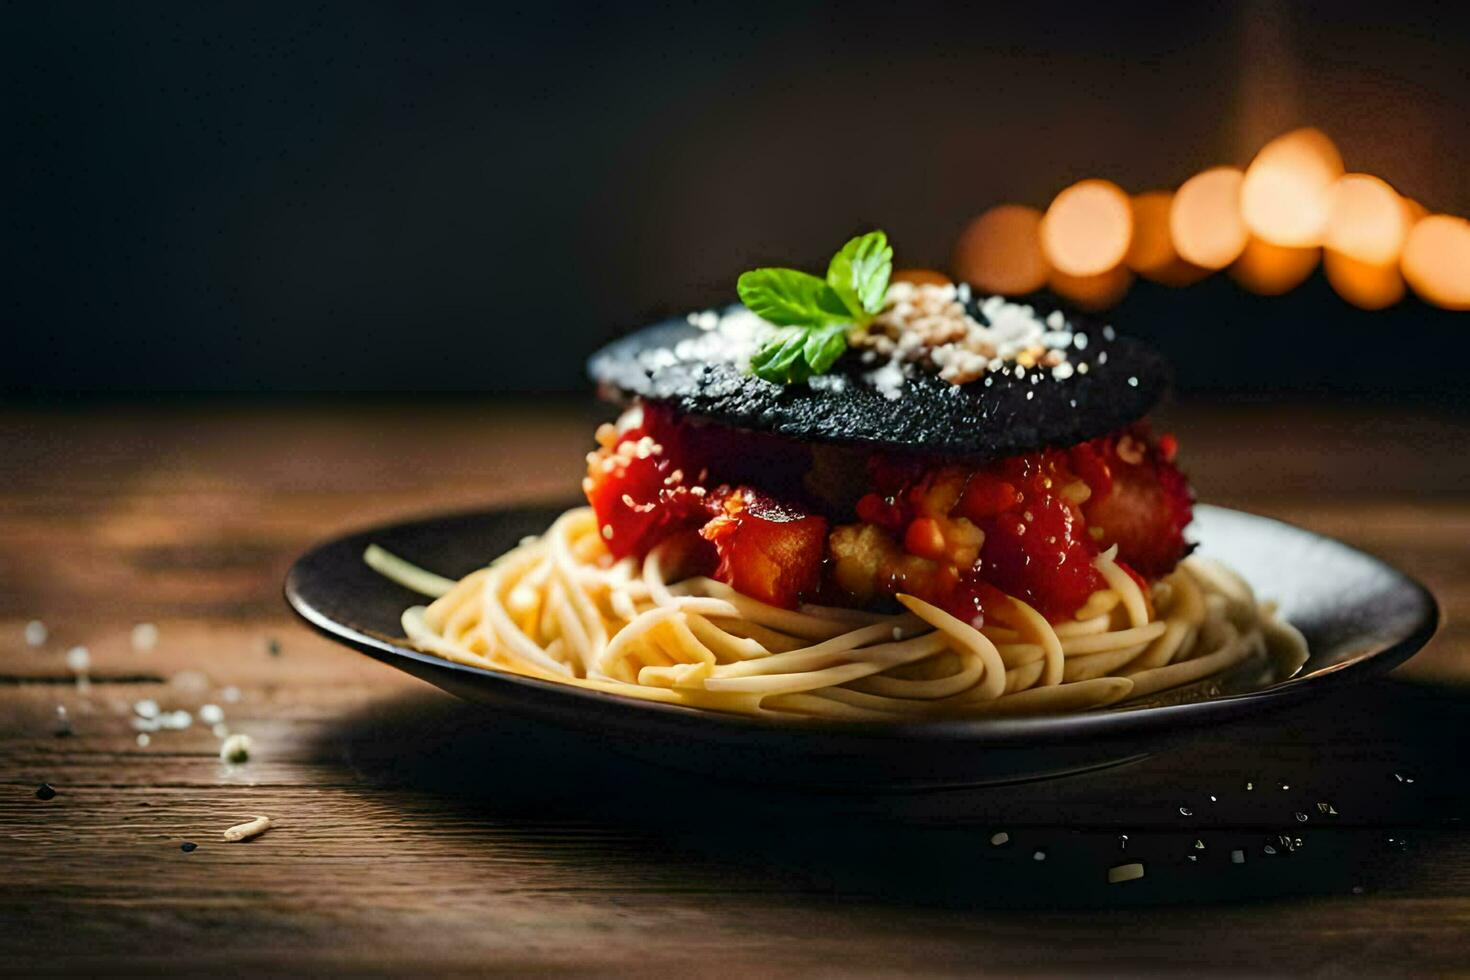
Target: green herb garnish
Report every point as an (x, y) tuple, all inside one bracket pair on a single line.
[(814, 316)]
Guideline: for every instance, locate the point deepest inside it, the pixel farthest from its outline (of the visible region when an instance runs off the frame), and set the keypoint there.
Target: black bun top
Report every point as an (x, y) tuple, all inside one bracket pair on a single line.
[(671, 362)]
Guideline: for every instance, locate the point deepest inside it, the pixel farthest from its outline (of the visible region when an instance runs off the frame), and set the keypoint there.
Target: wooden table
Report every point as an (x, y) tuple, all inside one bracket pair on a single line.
[(414, 833)]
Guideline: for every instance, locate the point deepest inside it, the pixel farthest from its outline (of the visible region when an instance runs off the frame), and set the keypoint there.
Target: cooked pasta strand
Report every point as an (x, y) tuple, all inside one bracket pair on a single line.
[(559, 607)]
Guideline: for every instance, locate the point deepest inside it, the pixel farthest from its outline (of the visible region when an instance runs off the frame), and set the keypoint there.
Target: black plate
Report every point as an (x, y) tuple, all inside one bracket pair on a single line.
[(1361, 618)]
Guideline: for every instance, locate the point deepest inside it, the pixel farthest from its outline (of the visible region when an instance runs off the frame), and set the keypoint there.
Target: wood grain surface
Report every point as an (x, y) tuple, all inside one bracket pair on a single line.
[(416, 834)]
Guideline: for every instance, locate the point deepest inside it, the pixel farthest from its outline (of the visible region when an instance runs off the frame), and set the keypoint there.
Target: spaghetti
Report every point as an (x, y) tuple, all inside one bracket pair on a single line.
[(559, 607)]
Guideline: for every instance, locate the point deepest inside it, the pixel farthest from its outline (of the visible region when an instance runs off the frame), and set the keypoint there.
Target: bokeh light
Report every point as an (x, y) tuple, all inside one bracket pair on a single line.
[(1286, 195), (1205, 220), (1000, 251), (1270, 270), (1087, 229), (1152, 254), (1364, 284), (1269, 227), (1436, 261), (1092, 293), (1367, 220), (922, 277)]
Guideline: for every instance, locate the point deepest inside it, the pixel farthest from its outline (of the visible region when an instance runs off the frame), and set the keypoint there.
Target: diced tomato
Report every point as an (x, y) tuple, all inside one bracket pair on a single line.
[(1039, 552), (638, 491), (766, 550), (924, 538), (884, 512), (1146, 507), (987, 495), (1168, 447), (1028, 526), (1087, 461), (636, 503)]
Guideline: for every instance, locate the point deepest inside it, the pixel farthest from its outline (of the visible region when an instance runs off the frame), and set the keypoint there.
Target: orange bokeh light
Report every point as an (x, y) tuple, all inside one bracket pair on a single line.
[(1363, 284), (1092, 292), (1367, 220), (1286, 196), (1087, 229), (1000, 251), (1270, 270), (1205, 220), (1151, 253), (1436, 261), (922, 277)]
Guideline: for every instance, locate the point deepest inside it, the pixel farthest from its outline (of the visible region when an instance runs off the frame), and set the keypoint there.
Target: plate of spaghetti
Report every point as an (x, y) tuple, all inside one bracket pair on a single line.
[(872, 530)]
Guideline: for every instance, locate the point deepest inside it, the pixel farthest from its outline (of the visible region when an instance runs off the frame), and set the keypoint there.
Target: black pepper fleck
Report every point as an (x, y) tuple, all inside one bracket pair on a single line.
[(273, 647), (188, 846), (45, 791)]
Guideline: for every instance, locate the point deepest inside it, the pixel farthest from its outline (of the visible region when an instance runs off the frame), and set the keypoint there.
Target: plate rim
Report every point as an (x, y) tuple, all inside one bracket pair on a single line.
[(1007, 732)]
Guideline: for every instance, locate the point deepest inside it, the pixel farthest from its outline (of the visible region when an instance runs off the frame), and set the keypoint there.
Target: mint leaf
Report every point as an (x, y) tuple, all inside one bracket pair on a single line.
[(789, 298), (859, 274), (824, 346), (813, 316), (781, 359)]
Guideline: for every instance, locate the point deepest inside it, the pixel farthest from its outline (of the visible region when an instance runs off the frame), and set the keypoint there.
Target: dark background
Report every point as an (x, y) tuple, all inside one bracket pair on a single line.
[(470, 197)]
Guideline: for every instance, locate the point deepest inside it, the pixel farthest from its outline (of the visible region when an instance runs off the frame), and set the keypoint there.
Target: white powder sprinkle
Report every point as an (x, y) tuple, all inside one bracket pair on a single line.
[(78, 659), (145, 637), (231, 694), (211, 714), (36, 633), (176, 720)]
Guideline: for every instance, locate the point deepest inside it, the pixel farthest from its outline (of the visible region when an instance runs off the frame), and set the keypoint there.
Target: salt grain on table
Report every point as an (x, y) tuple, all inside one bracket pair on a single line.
[(78, 659), (145, 637), (1125, 872)]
